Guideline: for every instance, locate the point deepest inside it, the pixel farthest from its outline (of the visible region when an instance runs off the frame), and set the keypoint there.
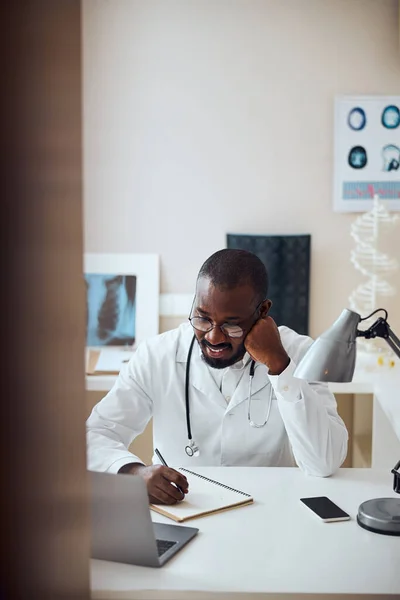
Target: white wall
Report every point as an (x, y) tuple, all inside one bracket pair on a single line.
[(203, 117)]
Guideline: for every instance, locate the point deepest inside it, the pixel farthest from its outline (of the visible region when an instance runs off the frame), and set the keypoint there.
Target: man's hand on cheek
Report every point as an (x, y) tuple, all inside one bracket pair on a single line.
[(264, 345)]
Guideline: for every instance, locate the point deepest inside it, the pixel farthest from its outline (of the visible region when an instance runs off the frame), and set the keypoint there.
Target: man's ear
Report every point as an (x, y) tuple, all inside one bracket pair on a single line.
[(265, 308)]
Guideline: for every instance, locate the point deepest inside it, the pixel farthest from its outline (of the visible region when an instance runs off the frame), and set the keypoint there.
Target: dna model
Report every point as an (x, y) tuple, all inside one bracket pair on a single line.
[(368, 230)]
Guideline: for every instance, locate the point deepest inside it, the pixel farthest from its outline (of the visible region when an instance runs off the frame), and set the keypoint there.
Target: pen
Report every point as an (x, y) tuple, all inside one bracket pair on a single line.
[(165, 465)]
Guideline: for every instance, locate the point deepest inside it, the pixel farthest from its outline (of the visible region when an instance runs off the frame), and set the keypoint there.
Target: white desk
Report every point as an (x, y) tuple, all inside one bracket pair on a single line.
[(275, 548)]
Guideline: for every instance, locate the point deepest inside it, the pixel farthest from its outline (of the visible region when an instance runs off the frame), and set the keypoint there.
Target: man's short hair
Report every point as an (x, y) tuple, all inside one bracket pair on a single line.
[(230, 268)]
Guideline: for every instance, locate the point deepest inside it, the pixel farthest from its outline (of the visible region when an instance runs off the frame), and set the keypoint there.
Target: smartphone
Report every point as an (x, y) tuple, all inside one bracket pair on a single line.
[(325, 509)]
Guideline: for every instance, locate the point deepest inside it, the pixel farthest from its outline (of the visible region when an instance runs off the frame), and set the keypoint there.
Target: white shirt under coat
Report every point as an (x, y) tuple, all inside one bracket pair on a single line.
[(228, 379), (303, 429)]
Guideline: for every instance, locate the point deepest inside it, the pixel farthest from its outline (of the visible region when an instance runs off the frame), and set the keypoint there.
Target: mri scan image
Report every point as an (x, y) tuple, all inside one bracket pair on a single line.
[(357, 119), (357, 157), (391, 117), (391, 157)]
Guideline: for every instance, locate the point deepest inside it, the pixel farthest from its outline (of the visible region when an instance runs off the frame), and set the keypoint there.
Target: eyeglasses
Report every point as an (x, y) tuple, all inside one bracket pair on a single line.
[(204, 324)]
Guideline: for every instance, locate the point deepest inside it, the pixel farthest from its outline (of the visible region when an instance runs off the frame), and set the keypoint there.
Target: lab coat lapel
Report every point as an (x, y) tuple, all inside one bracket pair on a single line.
[(199, 377), (260, 380), (202, 380)]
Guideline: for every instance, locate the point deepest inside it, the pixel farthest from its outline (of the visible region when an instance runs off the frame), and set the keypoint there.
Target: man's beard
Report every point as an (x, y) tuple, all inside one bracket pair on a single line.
[(220, 363)]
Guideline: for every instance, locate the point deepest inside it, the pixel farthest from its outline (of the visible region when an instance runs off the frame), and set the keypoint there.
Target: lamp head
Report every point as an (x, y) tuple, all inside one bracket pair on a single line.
[(332, 357)]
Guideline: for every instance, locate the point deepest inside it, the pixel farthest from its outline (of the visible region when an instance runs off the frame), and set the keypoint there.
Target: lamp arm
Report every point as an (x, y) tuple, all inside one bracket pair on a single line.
[(381, 328), (394, 343)]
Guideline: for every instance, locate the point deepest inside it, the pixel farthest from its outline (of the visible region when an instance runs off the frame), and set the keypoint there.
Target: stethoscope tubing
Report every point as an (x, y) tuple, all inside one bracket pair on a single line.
[(189, 356)]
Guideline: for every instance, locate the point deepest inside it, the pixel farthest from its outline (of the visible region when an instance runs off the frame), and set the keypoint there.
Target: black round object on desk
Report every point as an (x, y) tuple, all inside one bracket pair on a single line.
[(380, 515)]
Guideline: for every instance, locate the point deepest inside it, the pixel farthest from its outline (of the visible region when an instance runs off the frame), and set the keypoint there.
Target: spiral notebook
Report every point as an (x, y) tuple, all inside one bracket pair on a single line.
[(206, 496)]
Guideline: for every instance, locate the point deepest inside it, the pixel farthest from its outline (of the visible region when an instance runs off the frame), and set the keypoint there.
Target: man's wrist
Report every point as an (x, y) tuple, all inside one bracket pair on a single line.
[(131, 468), (277, 366)]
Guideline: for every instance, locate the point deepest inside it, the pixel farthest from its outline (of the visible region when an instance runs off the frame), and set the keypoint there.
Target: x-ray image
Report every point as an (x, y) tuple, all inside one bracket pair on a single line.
[(391, 117), (391, 157), (111, 309)]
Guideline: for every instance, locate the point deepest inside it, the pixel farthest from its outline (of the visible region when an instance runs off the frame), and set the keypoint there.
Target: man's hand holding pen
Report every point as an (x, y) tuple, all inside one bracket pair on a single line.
[(164, 485)]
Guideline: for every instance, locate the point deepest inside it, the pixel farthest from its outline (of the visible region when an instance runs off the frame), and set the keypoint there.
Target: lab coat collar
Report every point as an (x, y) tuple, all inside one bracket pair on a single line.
[(201, 378), (186, 334)]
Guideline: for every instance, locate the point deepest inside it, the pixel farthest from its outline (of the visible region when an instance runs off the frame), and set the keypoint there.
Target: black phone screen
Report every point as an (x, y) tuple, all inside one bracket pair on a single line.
[(324, 507)]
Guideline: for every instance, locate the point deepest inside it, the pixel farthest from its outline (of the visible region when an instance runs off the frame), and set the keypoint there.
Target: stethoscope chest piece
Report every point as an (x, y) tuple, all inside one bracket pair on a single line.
[(192, 449)]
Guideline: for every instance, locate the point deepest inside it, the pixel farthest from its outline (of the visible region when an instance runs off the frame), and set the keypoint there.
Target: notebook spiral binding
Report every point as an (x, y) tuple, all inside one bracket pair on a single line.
[(216, 482)]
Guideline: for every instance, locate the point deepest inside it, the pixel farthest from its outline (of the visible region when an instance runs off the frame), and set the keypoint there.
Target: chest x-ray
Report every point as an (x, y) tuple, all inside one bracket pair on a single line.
[(111, 309)]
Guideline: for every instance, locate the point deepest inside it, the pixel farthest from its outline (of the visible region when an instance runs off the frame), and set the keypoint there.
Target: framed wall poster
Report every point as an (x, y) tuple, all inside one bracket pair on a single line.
[(122, 298), (366, 152)]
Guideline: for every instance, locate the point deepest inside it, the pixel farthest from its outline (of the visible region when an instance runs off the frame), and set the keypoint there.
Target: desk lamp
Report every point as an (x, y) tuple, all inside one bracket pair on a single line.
[(332, 358)]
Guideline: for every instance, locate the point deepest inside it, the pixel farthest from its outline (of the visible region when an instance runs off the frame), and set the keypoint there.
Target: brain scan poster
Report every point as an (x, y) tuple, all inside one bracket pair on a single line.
[(366, 152)]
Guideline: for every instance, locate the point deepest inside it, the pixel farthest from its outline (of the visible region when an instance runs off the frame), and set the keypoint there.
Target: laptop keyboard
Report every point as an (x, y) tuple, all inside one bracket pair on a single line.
[(163, 546)]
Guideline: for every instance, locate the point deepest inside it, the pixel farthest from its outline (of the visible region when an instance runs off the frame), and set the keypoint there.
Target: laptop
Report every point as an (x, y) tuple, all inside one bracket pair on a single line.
[(122, 529)]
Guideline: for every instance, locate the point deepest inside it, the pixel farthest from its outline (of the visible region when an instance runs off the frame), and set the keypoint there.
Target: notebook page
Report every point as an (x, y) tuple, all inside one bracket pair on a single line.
[(204, 497)]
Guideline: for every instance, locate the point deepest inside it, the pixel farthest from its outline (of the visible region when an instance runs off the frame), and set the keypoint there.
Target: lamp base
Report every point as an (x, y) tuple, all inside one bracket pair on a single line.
[(380, 515)]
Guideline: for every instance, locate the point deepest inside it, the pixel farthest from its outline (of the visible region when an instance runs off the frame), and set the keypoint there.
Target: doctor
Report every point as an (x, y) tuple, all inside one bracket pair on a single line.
[(220, 390)]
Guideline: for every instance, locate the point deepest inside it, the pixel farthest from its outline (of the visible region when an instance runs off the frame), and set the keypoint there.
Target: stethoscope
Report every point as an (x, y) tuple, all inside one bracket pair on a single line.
[(192, 448)]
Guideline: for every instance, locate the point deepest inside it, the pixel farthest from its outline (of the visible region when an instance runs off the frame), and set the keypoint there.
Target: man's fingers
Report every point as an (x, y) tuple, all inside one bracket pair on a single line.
[(177, 478), (171, 489), (163, 484), (162, 495), (159, 497)]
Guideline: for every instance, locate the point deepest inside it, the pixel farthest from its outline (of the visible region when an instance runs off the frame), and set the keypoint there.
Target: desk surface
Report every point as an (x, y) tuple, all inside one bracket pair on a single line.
[(275, 546)]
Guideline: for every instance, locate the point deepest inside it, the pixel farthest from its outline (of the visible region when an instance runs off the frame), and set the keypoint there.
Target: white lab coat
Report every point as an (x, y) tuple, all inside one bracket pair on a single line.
[(304, 427)]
